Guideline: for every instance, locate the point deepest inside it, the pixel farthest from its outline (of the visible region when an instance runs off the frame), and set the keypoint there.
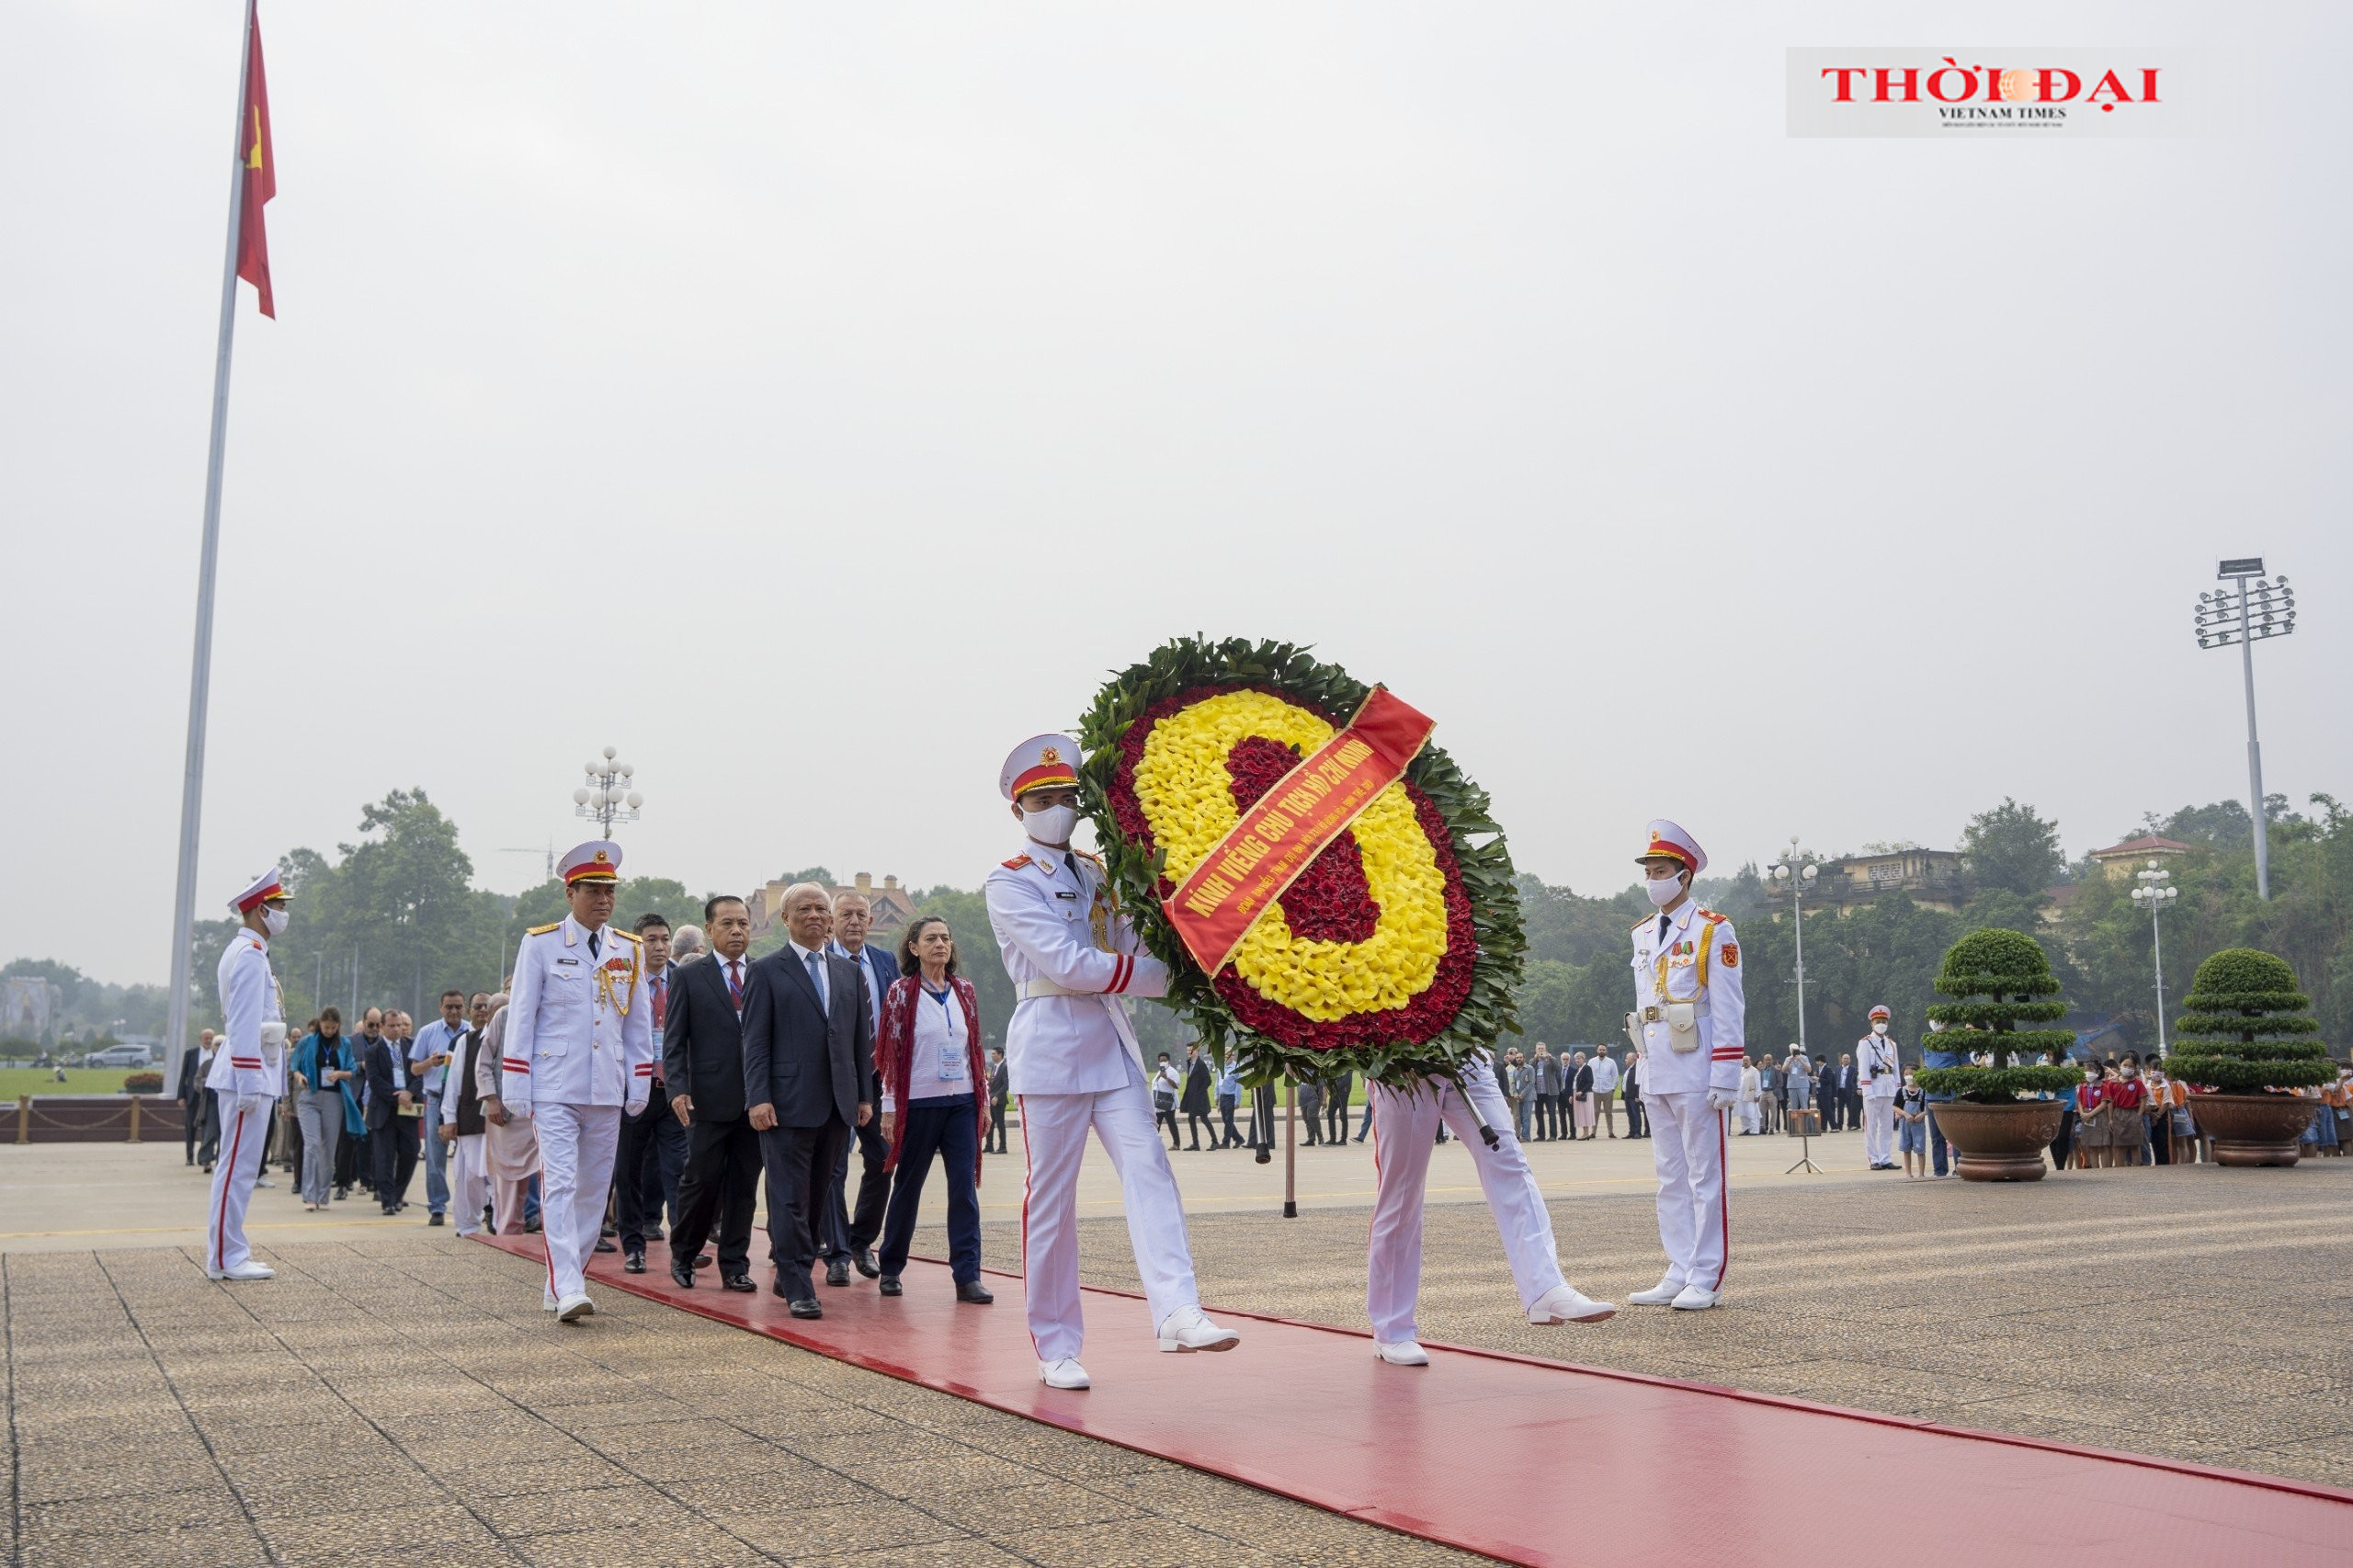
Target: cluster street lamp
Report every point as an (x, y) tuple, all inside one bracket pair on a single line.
[(607, 799), (1797, 879), (2155, 894), (2243, 615)]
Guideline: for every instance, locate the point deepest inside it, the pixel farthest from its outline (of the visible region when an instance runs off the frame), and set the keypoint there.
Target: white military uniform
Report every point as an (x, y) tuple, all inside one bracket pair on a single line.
[(1404, 1128), (248, 1072), (1073, 1062), (1690, 957), (578, 1051), (1879, 1068)]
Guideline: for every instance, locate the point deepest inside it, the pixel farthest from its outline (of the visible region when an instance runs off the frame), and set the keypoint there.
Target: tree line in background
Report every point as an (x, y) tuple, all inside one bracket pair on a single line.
[(393, 918)]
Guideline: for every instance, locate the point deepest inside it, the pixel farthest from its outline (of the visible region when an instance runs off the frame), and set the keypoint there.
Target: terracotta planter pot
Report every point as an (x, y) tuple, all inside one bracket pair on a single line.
[(2254, 1129), (1999, 1143)]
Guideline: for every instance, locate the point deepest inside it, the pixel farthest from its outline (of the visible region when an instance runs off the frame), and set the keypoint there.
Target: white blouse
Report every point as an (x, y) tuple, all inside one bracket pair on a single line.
[(937, 1063)]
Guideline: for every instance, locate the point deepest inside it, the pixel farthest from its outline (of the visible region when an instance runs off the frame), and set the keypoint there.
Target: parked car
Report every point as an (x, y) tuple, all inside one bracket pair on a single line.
[(117, 1056)]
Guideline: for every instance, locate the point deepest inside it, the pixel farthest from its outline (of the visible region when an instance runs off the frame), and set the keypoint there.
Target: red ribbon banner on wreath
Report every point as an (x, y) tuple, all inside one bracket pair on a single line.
[(1292, 823)]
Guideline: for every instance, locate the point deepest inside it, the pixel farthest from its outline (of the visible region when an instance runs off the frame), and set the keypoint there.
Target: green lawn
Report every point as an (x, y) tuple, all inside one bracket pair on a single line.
[(14, 1081)]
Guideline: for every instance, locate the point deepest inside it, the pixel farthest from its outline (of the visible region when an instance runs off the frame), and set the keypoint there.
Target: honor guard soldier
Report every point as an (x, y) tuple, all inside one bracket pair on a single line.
[(1879, 1068), (248, 1072), (1075, 1064), (1688, 1022), (578, 1051), (1404, 1127)]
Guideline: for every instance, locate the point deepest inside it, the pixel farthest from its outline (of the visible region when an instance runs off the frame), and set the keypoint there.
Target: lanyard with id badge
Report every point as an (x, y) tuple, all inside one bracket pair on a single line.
[(952, 1049)]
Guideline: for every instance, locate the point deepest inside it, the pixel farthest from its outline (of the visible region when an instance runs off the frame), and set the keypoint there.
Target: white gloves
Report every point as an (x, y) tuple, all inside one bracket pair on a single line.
[(1721, 1099)]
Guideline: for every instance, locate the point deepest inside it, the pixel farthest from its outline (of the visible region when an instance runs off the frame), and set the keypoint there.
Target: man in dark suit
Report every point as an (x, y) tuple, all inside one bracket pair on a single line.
[(808, 1062), (195, 1098), (702, 1060), (381, 1068), (849, 1236), (1001, 1090), (1841, 1086), (650, 1156)]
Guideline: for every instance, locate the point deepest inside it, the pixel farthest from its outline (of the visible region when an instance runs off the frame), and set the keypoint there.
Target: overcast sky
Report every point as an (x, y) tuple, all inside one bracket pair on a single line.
[(813, 401)]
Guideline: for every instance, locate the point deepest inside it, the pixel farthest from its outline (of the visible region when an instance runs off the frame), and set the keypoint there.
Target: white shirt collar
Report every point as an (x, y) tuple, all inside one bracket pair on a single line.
[(806, 953)]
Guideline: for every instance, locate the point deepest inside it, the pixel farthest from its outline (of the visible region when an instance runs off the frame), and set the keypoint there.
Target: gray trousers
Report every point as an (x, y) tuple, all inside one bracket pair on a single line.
[(320, 1114)]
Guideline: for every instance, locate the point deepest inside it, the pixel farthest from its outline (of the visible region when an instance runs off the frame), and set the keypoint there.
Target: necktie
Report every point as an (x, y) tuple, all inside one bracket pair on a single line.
[(660, 1011), (818, 979), (596, 939), (735, 982), (1072, 861), (1663, 922)]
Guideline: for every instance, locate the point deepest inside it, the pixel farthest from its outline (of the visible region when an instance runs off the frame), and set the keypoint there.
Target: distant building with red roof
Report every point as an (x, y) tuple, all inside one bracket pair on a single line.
[(2125, 859)]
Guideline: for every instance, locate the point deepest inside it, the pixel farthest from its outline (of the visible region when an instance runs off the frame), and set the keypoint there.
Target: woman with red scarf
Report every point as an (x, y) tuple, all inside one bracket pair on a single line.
[(928, 1056)]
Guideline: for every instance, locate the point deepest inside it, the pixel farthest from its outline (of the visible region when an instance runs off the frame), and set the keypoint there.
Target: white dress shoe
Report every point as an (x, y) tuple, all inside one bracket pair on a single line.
[(245, 1270), (1567, 1304), (1404, 1353), (548, 1302), (574, 1307), (1694, 1299), (1662, 1294), (1065, 1373), (1189, 1329)]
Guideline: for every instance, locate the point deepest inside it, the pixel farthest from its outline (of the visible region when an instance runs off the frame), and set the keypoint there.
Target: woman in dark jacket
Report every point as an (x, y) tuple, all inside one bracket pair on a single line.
[(935, 1101)]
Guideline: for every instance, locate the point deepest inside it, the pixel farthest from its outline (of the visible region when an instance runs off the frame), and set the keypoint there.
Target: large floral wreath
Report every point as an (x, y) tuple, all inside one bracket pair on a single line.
[(1395, 954)]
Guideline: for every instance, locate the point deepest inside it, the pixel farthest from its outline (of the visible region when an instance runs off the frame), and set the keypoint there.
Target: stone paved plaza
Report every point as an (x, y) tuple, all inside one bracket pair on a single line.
[(396, 1395)]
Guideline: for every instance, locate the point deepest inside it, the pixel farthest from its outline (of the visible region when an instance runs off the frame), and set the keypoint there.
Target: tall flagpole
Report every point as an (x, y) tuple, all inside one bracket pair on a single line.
[(200, 683)]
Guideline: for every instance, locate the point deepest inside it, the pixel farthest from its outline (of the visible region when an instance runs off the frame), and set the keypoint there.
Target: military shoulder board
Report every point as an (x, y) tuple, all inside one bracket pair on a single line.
[(1016, 863), (543, 930)]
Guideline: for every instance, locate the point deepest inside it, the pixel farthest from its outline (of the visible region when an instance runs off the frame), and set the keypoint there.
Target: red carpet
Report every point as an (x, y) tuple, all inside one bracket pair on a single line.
[(1543, 1462)]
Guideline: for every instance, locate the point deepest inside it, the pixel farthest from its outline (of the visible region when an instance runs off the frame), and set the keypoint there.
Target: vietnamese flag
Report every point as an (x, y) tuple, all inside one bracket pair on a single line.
[(258, 169)]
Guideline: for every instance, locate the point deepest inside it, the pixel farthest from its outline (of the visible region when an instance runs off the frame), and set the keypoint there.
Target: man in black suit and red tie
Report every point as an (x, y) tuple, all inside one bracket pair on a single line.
[(808, 1061), (702, 1062), (651, 1157)]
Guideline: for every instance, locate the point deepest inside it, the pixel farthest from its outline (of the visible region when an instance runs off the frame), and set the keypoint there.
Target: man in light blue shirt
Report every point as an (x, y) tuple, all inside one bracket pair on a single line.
[(1229, 1096), (428, 1064)]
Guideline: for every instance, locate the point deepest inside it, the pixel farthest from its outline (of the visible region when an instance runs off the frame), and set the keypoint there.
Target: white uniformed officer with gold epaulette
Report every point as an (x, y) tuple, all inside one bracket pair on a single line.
[(248, 1073), (1689, 1020), (1071, 1057), (579, 1052)]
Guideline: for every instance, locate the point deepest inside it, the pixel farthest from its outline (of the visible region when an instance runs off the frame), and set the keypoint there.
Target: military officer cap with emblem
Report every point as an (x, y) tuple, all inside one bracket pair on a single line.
[(1880, 1012), (1669, 842), (1042, 762), (267, 888), (599, 860)]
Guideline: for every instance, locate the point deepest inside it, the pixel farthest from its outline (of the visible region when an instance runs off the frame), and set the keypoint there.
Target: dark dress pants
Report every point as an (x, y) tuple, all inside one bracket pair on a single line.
[(849, 1233), (946, 1127), (648, 1162), (1231, 1137), (721, 1180), (800, 1162), (383, 1163), (405, 1150), (996, 1125), (1636, 1127)]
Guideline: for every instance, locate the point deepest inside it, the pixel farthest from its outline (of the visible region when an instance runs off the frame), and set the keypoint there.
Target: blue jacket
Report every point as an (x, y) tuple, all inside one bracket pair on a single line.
[(1931, 1057), (306, 1063)]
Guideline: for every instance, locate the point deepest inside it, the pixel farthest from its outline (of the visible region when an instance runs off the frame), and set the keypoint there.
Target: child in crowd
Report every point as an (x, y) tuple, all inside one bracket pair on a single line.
[(1912, 1128)]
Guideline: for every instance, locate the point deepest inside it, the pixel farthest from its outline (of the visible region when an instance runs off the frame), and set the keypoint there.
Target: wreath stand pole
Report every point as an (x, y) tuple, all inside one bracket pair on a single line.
[(1290, 1148)]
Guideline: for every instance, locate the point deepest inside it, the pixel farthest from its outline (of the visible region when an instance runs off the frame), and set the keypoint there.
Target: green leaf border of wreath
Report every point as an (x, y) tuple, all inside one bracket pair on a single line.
[(1480, 851)]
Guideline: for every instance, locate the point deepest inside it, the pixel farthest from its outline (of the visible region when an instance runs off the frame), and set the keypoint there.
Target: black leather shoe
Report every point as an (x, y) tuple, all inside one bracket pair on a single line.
[(604, 1246), (808, 1307), (864, 1261), (837, 1271), (635, 1262), (777, 1288), (738, 1282), (436, 1220), (891, 1285), (682, 1276), (702, 1260), (975, 1292)]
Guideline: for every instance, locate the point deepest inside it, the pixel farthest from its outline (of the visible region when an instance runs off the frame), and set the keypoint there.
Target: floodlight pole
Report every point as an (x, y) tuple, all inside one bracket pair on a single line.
[(2254, 754)]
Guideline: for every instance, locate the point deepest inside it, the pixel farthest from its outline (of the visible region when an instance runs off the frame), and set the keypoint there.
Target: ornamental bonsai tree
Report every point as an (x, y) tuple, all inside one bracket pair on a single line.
[(2246, 1031), (1998, 980)]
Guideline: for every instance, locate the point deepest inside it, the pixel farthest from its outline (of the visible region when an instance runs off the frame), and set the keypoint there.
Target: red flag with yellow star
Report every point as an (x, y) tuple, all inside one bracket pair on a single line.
[(260, 166)]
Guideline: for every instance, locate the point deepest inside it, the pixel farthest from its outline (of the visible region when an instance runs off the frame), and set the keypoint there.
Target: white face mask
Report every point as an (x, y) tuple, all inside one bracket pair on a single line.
[(1880, 1027), (1664, 891), (1050, 824), (273, 921)]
